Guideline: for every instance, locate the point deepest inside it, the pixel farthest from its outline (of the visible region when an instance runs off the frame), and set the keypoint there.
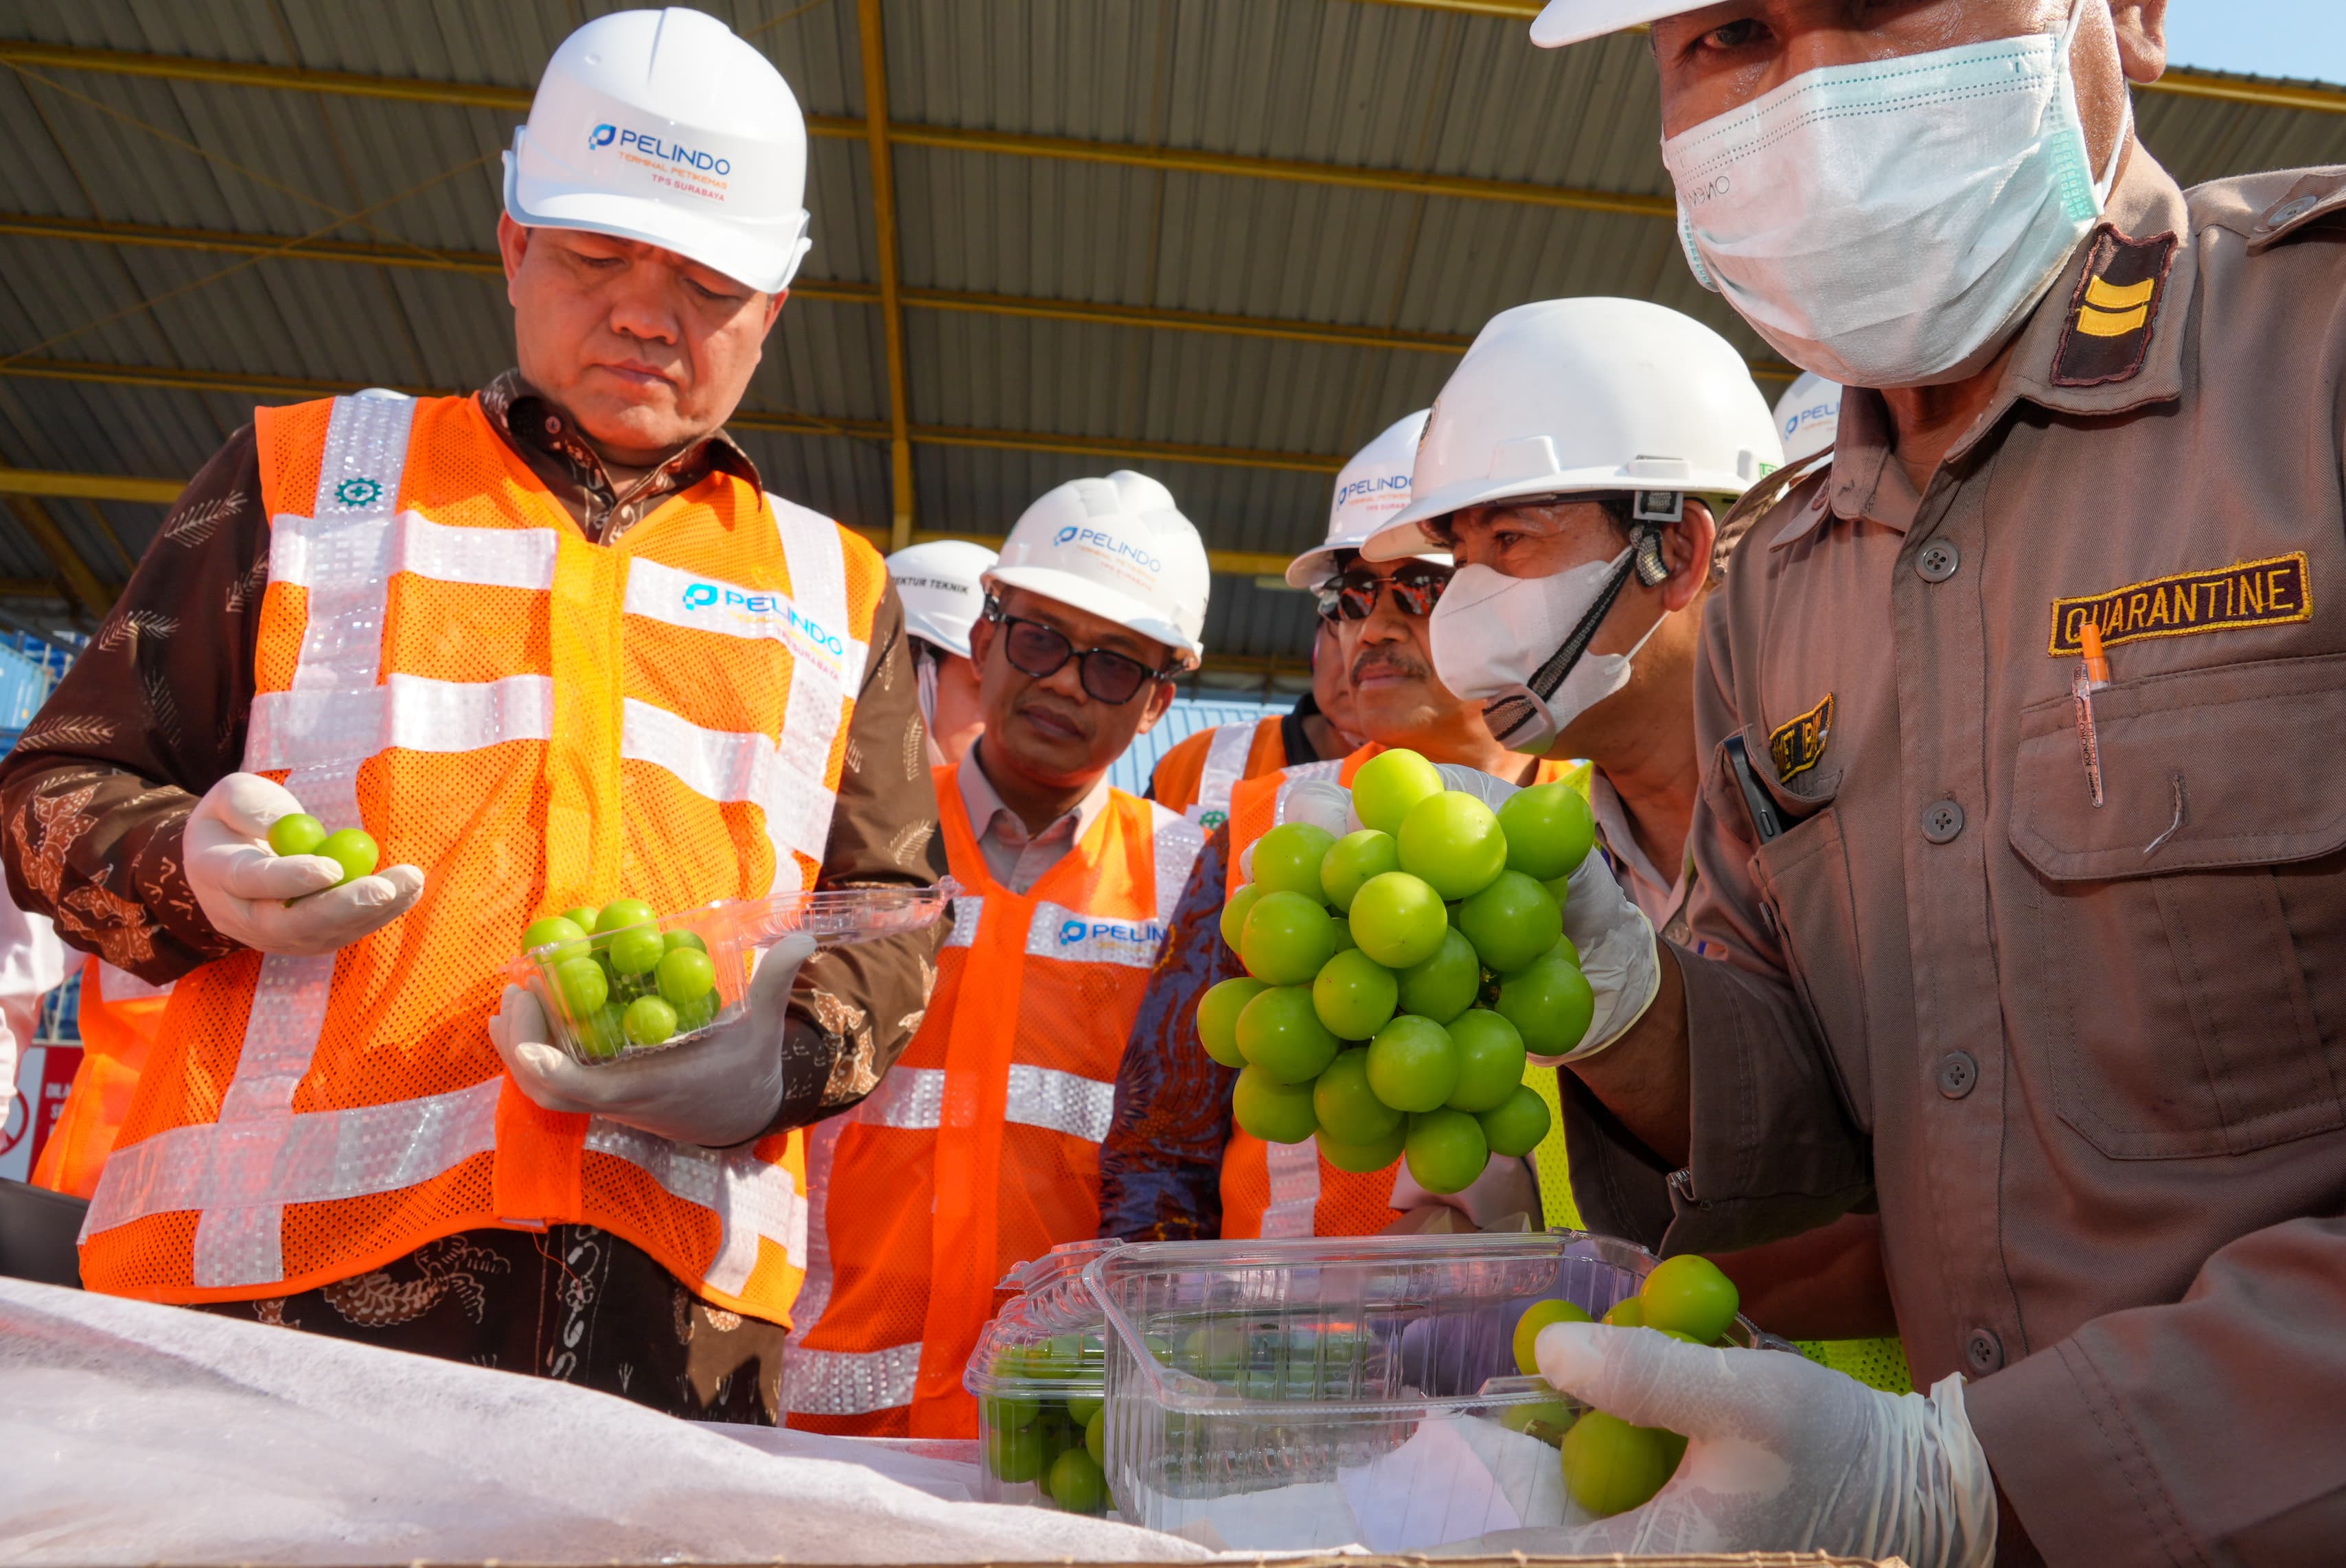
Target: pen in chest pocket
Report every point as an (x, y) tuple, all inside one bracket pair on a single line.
[(2092, 673)]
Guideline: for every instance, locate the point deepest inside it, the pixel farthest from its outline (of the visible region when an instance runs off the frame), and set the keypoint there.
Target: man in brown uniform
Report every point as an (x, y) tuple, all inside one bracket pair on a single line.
[(2045, 968)]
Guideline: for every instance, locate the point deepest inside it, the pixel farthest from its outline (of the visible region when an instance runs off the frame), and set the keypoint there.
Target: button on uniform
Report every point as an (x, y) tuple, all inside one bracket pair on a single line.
[(1938, 561), (1942, 820), (1983, 1351), (1958, 1075)]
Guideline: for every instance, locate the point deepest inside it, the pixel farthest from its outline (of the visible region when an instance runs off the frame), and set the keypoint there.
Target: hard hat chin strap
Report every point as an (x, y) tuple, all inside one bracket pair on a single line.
[(1506, 714)]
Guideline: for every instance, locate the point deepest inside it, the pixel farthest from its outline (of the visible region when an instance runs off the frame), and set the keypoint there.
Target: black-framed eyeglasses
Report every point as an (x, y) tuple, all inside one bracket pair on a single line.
[(1042, 651), (1352, 594)]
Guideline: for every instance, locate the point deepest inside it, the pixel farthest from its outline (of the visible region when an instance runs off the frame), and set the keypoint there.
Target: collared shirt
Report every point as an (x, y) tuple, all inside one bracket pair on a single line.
[(97, 795), (1638, 876), (1014, 857), (2089, 1058)]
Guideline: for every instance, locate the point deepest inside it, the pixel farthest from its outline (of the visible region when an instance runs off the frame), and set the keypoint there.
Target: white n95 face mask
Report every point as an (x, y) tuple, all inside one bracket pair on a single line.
[(1890, 224), (1518, 646)]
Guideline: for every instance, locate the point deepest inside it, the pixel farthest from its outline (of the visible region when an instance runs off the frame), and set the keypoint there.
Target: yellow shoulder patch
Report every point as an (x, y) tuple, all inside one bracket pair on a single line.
[(1799, 745), (2273, 592)]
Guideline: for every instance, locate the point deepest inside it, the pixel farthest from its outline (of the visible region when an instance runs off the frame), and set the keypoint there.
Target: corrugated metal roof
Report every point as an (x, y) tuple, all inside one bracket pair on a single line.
[(1383, 87)]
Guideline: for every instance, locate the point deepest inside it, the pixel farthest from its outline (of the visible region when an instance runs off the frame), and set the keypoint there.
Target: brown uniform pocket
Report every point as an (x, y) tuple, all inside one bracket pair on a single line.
[(2166, 966), (1803, 876)]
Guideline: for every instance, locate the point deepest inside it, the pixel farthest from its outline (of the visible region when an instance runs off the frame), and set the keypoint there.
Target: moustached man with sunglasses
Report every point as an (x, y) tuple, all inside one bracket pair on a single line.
[(981, 1147)]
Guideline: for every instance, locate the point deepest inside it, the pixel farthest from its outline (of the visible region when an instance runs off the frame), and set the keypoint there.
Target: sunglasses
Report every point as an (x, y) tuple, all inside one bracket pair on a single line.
[(1352, 594), (1041, 651)]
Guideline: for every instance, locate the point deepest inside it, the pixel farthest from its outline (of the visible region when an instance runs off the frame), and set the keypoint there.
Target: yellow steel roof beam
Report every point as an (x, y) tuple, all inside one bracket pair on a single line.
[(872, 40)]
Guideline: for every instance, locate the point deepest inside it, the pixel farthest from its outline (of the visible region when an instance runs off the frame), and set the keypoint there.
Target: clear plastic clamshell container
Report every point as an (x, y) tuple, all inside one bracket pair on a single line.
[(586, 988), (1311, 1394), (1037, 1373)]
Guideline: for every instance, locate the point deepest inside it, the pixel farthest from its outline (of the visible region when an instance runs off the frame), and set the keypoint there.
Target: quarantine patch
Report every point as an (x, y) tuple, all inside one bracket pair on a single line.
[(1799, 745), (2269, 593)]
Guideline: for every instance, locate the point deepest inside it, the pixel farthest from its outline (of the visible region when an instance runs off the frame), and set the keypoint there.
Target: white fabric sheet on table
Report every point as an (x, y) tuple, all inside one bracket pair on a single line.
[(141, 1434)]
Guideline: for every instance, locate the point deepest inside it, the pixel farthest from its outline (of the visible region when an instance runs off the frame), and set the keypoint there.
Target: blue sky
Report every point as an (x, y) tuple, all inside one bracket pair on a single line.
[(2300, 38)]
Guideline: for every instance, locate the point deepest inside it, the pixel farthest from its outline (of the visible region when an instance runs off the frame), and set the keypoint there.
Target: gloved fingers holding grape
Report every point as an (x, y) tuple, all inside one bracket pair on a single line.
[(270, 876)]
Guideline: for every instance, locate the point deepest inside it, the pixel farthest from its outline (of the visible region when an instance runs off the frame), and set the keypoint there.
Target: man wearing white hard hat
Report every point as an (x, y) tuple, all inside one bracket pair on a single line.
[(943, 586), (2006, 716), (1578, 461), (1807, 415), (549, 648), (982, 1148), (1195, 776)]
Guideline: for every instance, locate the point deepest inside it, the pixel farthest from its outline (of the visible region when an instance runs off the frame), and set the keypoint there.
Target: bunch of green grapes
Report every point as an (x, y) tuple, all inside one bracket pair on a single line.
[(1609, 1465), (1047, 1434), (619, 981), (1398, 976)]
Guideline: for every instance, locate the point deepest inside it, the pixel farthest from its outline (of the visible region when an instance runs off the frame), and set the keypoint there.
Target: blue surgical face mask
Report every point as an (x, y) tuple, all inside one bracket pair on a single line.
[(1893, 224)]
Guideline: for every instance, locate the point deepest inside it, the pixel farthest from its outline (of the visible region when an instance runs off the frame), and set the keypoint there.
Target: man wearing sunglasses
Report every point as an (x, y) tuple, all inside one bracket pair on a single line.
[(981, 1149), (1174, 1166), (1195, 776)]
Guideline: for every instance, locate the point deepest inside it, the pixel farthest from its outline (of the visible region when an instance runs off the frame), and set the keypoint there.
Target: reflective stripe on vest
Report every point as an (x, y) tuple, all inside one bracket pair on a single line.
[(314, 1112), (980, 1148), (1225, 764)]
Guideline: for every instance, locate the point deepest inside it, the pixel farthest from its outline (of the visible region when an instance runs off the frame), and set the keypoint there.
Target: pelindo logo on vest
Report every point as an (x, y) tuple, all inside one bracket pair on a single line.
[(1072, 932), (770, 610)]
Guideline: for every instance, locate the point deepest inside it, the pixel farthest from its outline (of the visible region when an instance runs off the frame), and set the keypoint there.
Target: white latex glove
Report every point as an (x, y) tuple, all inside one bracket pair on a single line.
[(1615, 942), (720, 1089), (1488, 787), (1782, 1455), (242, 885)]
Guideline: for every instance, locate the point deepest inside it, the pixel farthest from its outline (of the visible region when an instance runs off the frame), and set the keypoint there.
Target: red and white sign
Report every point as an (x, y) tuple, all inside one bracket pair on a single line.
[(43, 1074)]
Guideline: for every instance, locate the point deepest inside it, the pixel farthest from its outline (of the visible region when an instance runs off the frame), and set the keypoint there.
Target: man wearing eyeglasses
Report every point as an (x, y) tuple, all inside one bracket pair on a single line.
[(981, 1149), (1174, 1166)]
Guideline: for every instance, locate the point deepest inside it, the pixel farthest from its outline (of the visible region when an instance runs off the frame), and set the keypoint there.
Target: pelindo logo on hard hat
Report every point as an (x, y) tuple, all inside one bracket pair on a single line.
[(602, 135), (1108, 545)]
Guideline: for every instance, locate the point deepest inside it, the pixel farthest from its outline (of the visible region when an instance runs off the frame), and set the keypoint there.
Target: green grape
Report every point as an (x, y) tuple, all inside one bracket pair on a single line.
[(1627, 1313), (1353, 994), (1095, 1437), (621, 913), (1057, 1359), (1453, 842), (1690, 1295), (1550, 830), (1413, 1065), (582, 985), (1274, 1112), (677, 939), (353, 848), (1287, 860), (1547, 1420), (1078, 1483), (649, 1021), (603, 1034), (1550, 1005), (1490, 1063), (296, 833), (638, 951), (1446, 1150), (1217, 1018), (1538, 1316), (700, 1013), (1234, 914), (1515, 1127), (1352, 860), (1082, 1407), (1346, 1108), (1442, 986), (1611, 1467), (583, 916), (1281, 1036), (554, 931), (1398, 920), (1388, 784), (1286, 939), (1015, 1454), (1344, 939), (1511, 922), (1364, 1159), (685, 975)]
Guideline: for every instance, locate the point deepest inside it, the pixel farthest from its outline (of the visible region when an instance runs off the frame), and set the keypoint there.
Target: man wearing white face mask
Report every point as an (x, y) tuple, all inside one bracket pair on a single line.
[(2008, 716)]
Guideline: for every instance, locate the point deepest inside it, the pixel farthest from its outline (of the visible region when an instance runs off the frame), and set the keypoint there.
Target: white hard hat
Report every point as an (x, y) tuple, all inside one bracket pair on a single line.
[(1563, 21), (1576, 396), (1808, 415), (663, 127), (1117, 548), (941, 584), (1370, 489)]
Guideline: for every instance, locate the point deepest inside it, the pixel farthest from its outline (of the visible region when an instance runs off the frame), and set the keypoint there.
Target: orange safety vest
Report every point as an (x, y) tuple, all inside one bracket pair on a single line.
[(539, 722), (1196, 776), (980, 1149), (118, 1031), (1288, 1190)]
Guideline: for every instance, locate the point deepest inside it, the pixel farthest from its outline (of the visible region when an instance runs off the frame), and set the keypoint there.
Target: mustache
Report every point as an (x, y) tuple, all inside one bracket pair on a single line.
[(1393, 659)]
